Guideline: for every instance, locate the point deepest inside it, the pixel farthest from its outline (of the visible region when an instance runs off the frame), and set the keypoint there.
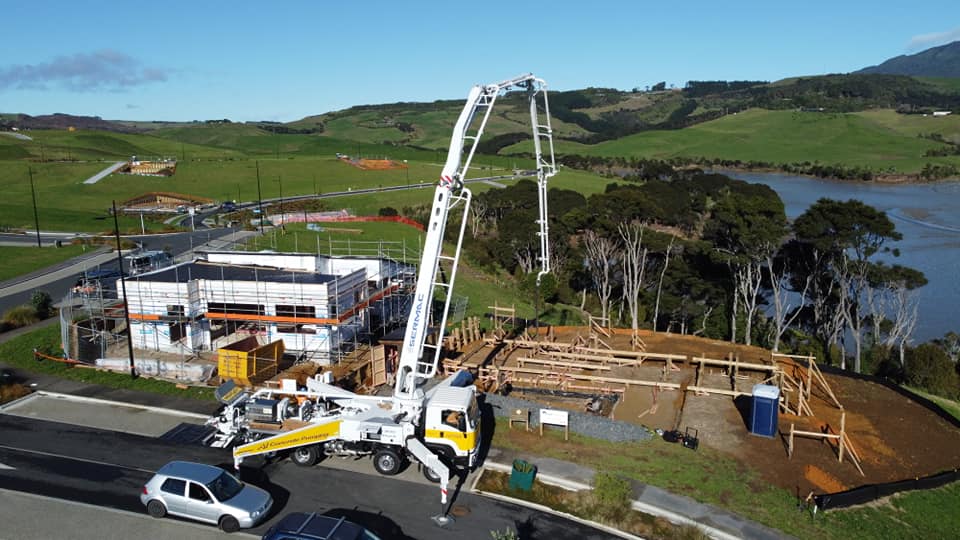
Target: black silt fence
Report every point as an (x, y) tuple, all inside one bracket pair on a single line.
[(872, 492)]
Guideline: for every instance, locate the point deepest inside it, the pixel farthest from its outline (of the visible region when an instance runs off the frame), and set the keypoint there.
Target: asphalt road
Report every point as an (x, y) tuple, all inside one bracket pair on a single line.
[(58, 280), (108, 468)]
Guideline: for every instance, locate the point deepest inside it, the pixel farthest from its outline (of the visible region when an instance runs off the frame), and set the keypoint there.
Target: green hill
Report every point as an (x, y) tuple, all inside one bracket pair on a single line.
[(942, 61), (877, 139)]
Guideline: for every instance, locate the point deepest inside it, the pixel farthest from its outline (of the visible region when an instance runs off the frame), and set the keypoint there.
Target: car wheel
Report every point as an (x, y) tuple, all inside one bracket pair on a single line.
[(156, 509), (305, 456), (387, 462), (229, 524), (430, 475)]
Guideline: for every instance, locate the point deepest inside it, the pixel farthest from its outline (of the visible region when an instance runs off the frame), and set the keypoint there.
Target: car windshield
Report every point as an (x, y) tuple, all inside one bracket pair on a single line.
[(225, 486)]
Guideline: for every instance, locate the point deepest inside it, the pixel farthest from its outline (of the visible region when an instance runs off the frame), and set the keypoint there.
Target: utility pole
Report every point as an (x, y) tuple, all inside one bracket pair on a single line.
[(259, 198), (123, 287), (33, 194), (282, 215), (238, 193)]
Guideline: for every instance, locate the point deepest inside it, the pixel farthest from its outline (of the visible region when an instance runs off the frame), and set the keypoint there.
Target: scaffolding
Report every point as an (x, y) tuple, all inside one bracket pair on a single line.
[(201, 306)]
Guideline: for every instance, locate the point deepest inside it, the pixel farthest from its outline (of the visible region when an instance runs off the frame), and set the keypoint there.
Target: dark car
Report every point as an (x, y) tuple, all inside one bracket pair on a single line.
[(313, 526), (228, 206)]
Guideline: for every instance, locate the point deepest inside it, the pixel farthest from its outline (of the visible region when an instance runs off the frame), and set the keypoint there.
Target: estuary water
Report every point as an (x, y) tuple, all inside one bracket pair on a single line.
[(928, 217)]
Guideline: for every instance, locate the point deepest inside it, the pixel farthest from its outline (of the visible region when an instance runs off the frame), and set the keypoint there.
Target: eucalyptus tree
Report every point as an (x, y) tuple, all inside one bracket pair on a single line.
[(844, 237), (747, 226)]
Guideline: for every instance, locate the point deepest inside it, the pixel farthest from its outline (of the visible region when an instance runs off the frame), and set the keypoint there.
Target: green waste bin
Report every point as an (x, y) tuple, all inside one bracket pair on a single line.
[(521, 477)]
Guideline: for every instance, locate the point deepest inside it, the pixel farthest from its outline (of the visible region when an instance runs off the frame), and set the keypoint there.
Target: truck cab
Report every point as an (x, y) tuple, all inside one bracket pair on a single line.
[(451, 425)]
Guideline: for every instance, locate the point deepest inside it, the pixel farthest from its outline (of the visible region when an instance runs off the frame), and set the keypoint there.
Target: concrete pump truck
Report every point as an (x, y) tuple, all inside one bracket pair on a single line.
[(439, 427)]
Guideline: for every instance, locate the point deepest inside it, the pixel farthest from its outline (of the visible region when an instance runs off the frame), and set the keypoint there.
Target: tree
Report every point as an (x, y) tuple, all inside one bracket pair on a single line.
[(928, 367), (634, 263), (747, 227), (848, 235), (663, 271), (600, 252), (784, 314), (659, 87)]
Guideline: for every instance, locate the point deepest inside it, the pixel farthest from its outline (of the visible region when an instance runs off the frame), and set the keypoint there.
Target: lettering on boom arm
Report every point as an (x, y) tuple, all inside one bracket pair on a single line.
[(417, 313)]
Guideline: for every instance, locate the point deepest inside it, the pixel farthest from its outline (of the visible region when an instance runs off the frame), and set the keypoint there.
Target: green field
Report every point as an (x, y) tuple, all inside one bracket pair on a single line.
[(882, 140), (17, 261)]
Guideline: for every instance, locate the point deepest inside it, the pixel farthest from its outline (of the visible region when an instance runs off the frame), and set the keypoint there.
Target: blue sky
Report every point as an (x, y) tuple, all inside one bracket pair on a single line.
[(197, 60)]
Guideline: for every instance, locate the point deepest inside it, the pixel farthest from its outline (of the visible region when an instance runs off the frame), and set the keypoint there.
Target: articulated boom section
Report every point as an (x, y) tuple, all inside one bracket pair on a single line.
[(416, 362)]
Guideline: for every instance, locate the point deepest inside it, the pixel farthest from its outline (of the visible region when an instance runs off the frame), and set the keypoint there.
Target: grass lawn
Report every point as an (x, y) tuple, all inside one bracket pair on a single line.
[(948, 405), (715, 478), (880, 140), (17, 261), (18, 352)]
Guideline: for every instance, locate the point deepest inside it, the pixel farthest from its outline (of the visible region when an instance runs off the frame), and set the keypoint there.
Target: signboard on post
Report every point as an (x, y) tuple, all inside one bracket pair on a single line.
[(555, 418)]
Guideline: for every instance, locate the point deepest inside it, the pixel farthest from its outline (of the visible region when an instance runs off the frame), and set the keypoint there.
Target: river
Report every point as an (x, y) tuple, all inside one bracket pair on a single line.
[(928, 217)]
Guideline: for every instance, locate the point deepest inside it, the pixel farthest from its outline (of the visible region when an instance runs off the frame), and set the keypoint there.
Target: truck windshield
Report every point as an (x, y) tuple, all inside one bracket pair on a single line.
[(473, 414), (225, 486)]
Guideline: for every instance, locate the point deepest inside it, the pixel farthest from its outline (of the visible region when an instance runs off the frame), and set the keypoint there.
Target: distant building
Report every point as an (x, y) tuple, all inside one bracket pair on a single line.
[(941, 113), (163, 167)]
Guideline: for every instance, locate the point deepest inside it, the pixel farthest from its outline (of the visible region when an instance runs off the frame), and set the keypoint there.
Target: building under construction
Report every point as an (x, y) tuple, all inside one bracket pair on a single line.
[(318, 305)]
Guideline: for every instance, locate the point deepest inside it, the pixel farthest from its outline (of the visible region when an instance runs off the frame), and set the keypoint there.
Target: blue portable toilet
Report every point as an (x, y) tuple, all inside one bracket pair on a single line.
[(766, 406)]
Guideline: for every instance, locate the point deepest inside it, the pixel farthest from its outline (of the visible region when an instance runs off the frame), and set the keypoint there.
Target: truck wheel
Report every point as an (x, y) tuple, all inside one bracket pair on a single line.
[(229, 524), (156, 509), (305, 456), (387, 462), (429, 474)]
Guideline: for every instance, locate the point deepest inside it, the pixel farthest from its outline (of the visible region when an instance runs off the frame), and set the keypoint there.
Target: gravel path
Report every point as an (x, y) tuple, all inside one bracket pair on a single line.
[(588, 425)]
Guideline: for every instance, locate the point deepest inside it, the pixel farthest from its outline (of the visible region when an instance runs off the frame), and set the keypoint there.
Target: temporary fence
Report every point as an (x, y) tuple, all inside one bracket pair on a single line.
[(872, 492)]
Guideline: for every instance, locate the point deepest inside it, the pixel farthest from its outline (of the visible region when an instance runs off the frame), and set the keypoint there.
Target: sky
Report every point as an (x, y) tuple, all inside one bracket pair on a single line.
[(285, 60)]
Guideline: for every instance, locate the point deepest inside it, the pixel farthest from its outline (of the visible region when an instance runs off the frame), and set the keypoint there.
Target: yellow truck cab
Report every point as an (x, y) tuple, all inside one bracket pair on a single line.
[(451, 425)]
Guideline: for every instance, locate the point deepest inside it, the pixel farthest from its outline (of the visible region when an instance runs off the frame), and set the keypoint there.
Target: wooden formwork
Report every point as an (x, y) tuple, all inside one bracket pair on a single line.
[(842, 440)]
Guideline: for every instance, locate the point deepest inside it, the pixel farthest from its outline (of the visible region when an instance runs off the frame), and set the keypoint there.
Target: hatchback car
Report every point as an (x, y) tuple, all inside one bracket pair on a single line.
[(303, 526), (205, 493)]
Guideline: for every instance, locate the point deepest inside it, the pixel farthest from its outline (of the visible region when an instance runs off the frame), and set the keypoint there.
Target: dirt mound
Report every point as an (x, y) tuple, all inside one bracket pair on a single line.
[(376, 164)]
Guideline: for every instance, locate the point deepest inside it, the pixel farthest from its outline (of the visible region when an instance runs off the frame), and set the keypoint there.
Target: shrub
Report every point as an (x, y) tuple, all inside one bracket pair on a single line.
[(388, 211), (42, 304), (928, 367), (20, 316), (507, 534)]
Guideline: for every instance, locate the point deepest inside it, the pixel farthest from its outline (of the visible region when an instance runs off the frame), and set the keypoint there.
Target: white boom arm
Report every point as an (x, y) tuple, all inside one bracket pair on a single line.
[(416, 363)]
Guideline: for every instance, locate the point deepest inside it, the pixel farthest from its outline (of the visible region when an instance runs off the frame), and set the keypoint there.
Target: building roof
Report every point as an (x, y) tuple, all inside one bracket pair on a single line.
[(215, 272)]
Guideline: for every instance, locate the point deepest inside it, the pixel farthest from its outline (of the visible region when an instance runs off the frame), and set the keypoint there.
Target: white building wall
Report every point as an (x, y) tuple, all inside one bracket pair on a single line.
[(290, 261), (195, 296)]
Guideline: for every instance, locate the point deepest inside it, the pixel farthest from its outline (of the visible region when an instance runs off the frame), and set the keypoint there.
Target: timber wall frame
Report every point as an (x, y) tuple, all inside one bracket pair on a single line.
[(576, 366)]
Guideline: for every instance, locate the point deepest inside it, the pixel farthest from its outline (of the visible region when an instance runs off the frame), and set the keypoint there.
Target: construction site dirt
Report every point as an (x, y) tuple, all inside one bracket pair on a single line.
[(887, 435)]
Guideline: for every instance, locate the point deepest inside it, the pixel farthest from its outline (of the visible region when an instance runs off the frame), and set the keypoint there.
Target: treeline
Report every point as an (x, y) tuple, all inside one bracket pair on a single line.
[(695, 253), (854, 92), (706, 88), (284, 129)]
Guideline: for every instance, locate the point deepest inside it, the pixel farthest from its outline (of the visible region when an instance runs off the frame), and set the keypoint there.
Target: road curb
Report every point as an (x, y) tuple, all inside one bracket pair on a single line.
[(162, 410), (570, 485), (548, 510)]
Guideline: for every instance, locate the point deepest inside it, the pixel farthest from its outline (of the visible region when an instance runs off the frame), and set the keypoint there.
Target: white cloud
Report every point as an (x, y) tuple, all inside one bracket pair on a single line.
[(106, 69), (925, 41)]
